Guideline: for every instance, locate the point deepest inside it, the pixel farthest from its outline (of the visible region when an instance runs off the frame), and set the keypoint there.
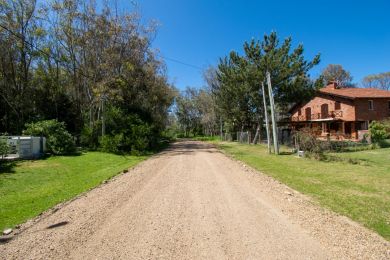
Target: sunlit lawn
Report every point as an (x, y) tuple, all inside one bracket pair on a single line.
[(360, 191), (30, 187)]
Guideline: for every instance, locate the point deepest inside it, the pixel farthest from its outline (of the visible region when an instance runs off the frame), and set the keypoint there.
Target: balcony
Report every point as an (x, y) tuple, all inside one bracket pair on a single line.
[(332, 115)]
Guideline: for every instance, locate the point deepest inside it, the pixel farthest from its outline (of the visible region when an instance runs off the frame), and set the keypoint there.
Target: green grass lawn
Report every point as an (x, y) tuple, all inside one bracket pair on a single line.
[(31, 187), (360, 191), (206, 138)]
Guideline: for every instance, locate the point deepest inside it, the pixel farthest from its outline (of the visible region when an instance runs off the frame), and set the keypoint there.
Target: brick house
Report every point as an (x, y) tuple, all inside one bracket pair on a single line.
[(341, 113)]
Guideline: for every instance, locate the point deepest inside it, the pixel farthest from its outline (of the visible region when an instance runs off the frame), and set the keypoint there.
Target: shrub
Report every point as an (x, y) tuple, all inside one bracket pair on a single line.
[(384, 143), (307, 141), (141, 135), (111, 144), (89, 137), (366, 138), (379, 131), (58, 139), (4, 148), (130, 132)]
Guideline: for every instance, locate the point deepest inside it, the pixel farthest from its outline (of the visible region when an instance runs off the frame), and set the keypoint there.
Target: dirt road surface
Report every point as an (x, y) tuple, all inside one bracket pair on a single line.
[(192, 202)]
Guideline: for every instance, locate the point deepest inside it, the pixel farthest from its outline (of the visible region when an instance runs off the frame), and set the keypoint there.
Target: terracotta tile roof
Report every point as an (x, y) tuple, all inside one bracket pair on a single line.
[(353, 93)]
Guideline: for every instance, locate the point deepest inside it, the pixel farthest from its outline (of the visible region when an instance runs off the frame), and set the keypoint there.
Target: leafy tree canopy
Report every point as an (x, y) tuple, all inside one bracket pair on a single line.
[(336, 72), (380, 81), (75, 62), (238, 92)]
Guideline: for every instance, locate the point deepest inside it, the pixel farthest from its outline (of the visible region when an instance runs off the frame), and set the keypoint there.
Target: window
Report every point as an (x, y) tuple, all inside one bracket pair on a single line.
[(370, 105), (337, 105)]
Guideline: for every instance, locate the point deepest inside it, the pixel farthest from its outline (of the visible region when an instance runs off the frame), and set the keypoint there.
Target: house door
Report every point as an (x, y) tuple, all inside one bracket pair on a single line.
[(324, 111)]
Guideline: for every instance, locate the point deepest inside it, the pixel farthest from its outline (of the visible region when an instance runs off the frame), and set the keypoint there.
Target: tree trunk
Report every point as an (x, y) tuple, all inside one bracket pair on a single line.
[(257, 134), (242, 130)]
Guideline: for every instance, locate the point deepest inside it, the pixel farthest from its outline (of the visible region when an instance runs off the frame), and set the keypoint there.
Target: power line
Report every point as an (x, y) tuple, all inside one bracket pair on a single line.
[(181, 62)]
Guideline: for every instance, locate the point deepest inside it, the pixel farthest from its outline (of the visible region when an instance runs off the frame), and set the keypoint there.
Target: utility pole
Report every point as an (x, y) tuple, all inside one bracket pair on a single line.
[(266, 119), (273, 116)]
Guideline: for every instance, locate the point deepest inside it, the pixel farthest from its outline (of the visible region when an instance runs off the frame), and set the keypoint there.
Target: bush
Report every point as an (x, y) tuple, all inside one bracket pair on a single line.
[(111, 144), (4, 148), (140, 137), (379, 131), (384, 143), (129, 132), (58, 139), (307, 141), (125, 132), (89, 137)]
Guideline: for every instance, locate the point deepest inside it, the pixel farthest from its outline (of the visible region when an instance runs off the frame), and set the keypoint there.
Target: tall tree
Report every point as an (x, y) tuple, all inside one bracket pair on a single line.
[(20, 31), (380, 81), (188, 113), (196, 112), (207, 109), (239, 95), (83, 64), (336, 72)]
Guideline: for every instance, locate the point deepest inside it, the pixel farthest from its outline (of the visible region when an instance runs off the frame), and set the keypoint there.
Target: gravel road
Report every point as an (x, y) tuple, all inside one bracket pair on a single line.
[(192, 202)]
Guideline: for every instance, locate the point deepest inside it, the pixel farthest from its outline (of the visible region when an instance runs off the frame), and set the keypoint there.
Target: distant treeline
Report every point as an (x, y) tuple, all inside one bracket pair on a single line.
[(233, 98)]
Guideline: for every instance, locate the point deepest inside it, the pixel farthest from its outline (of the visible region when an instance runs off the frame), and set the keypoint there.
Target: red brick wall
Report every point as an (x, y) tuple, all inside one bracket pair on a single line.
[(315, 104), (381, 109)]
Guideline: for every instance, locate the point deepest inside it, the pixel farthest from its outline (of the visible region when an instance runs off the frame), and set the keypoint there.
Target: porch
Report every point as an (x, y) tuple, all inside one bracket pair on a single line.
[(334, 129)]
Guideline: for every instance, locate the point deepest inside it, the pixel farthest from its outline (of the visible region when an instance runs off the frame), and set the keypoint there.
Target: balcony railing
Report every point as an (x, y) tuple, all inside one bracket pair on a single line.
[(318, 116)]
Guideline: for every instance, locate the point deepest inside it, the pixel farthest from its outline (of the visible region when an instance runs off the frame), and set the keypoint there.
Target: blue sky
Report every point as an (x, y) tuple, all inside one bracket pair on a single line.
[(355, 34)]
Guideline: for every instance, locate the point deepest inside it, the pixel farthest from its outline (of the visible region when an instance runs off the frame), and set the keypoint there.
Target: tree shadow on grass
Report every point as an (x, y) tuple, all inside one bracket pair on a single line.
[(7, 167), (286, 153), (73, 154)]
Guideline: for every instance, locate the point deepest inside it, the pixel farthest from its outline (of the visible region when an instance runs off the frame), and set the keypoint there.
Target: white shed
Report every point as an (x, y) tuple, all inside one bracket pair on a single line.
[(27, 147)]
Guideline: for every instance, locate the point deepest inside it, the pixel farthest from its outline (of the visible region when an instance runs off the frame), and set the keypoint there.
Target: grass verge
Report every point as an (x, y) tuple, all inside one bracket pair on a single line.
[(360, 190), (214, 138), (28, 188)]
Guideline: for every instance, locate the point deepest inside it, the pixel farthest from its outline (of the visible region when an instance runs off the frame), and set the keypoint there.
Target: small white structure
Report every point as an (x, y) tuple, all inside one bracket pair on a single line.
[(26, 147)]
